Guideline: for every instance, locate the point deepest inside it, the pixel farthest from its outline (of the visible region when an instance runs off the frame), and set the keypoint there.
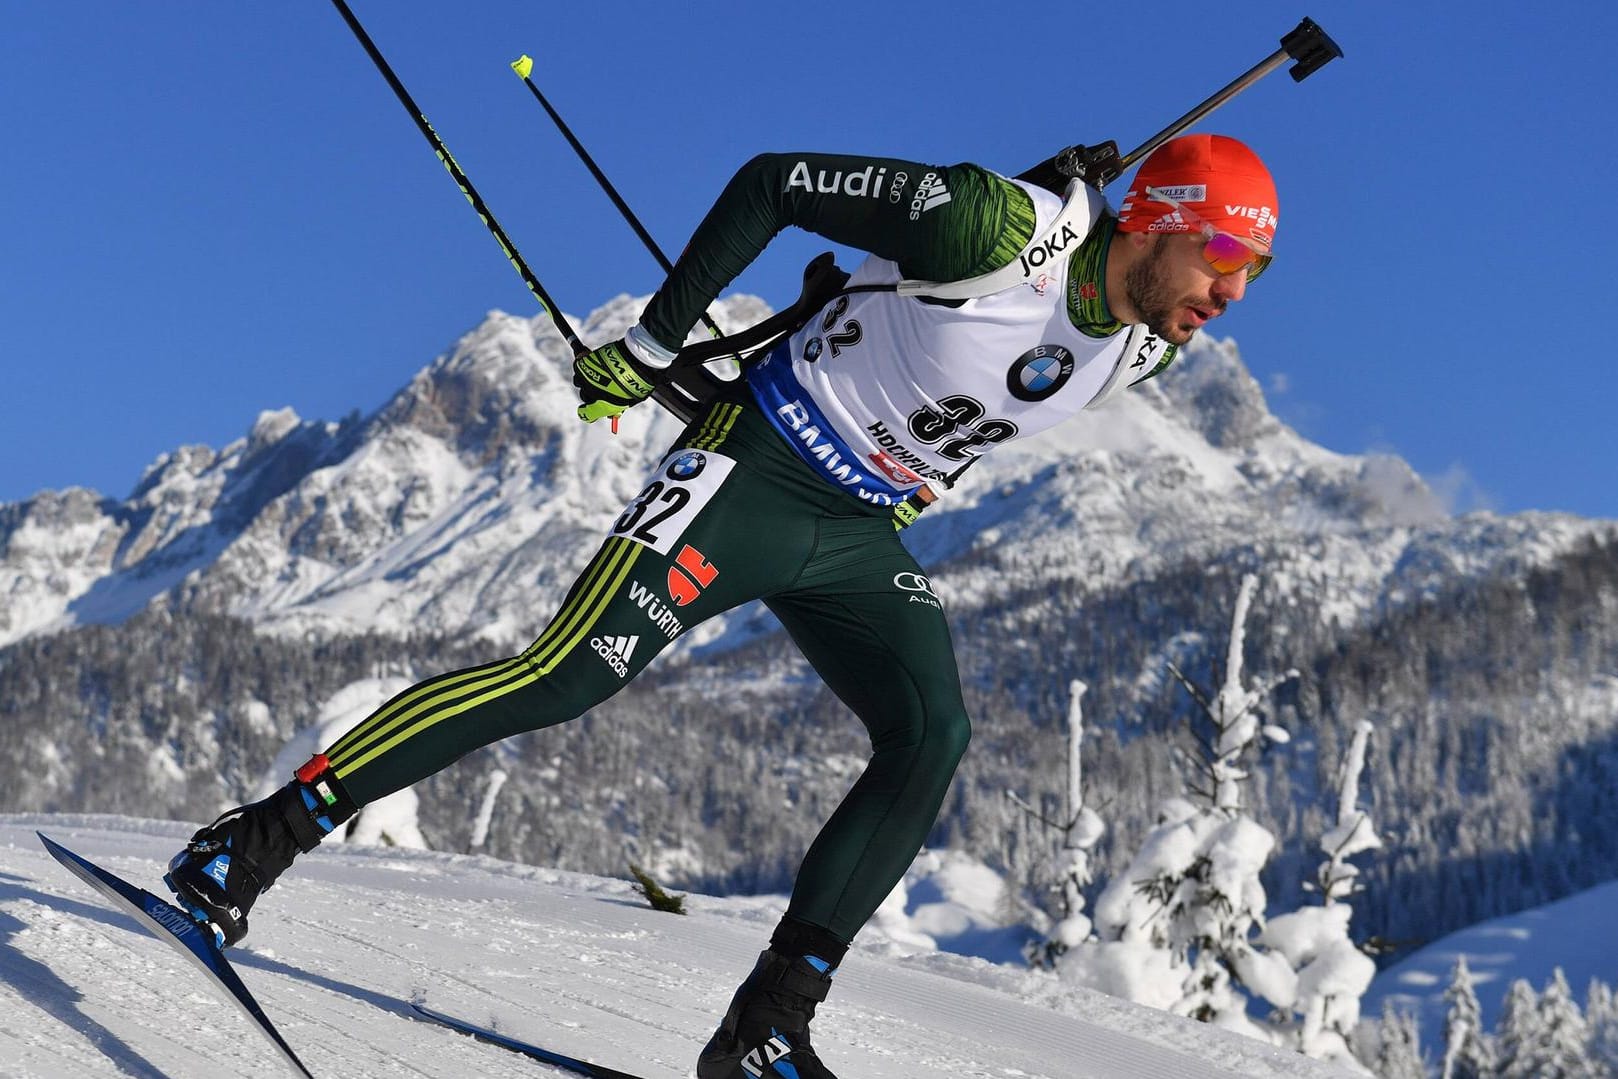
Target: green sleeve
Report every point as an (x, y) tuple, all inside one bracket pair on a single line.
[(938, 222)]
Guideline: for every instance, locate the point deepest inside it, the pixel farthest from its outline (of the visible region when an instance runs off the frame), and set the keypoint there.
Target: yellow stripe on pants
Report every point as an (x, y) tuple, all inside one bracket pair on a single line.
[(435, 701)]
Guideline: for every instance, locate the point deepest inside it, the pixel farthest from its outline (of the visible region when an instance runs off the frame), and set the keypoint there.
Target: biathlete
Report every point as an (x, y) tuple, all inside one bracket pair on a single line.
[(988, 309)]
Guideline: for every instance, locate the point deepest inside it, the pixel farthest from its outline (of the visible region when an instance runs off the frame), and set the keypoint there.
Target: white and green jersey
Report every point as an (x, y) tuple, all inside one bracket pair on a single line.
[(997, 331)]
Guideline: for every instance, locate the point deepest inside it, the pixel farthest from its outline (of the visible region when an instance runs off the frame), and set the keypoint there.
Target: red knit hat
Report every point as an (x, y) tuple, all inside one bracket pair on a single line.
[(1215, 177)]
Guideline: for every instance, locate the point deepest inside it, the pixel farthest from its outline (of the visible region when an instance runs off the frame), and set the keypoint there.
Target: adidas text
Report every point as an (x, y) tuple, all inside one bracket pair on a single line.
[(616, 651), (930, 195)]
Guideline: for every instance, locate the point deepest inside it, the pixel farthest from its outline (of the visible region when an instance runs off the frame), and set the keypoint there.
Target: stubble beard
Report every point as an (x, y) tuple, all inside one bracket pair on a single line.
[(1147, 288)]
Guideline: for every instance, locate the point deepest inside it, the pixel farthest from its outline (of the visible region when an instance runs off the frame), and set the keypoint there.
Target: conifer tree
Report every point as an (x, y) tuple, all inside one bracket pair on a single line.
[(1562, 1051), (1332, 972), (1399, 1054), (1601, 1019), (1176, 929), (1517, 1033), (1468, 1049), (1080, 828)]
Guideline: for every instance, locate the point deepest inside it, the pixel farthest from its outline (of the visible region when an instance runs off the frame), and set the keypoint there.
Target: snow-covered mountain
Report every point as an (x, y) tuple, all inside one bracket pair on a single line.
[(577, 963), (460, 498), (465, 503)]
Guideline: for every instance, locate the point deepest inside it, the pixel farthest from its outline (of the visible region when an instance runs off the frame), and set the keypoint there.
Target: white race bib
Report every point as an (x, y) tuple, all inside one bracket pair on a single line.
[(681, 486)]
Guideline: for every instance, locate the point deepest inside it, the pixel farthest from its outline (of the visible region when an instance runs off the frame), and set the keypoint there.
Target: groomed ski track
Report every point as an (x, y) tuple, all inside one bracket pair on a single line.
[(574, 963)]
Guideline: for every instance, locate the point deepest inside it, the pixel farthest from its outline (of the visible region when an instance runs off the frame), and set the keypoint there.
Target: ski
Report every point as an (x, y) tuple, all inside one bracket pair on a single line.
[(494, 1037), (176, 928)]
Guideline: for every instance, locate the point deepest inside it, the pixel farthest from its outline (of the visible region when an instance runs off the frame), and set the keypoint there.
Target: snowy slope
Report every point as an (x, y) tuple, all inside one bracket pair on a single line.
[(575, 962), (1577, 934)]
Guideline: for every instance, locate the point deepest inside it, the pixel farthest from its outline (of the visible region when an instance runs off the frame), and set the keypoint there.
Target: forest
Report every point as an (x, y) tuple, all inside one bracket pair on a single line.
[(1495, 708)]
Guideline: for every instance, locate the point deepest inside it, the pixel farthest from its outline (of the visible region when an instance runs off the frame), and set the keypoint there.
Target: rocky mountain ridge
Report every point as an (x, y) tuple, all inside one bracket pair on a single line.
[(464, 504)]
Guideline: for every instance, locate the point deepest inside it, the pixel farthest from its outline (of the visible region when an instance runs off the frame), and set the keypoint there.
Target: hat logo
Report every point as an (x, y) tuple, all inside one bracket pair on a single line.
[(1261, 216), (1185, 192)]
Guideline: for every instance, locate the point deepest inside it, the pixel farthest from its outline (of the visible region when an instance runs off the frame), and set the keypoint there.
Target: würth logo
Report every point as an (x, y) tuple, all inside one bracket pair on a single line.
[(689, 575)]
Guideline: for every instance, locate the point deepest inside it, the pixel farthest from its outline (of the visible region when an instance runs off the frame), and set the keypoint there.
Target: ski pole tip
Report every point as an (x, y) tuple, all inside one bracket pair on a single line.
[(523, 66)]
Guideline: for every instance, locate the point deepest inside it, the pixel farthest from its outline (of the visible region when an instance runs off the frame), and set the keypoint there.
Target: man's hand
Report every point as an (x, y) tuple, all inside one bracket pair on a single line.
[(609, 380)]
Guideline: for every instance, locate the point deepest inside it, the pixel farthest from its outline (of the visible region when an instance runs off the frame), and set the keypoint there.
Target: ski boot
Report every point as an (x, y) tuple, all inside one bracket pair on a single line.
[(765, 1033), (222, 871)]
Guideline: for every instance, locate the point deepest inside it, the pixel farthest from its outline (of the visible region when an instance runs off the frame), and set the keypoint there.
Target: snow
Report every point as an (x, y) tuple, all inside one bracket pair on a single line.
[(1575, 935), (950, 901), (576, 963)]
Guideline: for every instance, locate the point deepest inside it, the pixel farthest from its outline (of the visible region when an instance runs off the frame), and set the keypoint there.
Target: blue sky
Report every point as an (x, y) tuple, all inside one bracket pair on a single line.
[(215, 209)]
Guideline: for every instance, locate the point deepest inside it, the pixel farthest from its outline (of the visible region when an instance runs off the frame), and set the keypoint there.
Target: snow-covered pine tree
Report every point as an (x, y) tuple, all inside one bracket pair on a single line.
[(1175, 929), (1081, 828), (1354, 834), (1399, 1054), (1468, 1048), (1601, 1020), (1332, 972), (1234, 714), (1517, 1032), (480, 827), (1562, 1051)]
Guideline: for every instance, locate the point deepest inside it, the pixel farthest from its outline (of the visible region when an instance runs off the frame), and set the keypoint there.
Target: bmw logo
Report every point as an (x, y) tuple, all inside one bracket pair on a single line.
[(1039, 372), (811, 351), (687, 466)]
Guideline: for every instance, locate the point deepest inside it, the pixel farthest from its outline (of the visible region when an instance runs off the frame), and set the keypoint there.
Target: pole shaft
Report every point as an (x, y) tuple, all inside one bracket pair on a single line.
[(600, 177), (1236, 86), (464, 182), (628, 215), (677, 399)]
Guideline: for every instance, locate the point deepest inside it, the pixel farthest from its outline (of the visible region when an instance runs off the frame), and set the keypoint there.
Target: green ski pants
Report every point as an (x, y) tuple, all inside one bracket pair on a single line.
[(731, 515)]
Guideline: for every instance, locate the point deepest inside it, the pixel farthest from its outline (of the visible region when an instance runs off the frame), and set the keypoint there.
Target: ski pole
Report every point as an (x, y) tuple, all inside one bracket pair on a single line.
[(1101, 164), (668, 395), (912, 506), (524, 67)]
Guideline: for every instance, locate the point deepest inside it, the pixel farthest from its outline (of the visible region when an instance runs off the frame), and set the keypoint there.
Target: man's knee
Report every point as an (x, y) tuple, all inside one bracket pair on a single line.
[(936, 736), (949, 733)]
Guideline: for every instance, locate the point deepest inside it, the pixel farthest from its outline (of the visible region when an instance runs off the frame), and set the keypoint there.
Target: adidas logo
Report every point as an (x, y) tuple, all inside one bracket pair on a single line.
[(931, 193), (1169, 222), (616, 651)]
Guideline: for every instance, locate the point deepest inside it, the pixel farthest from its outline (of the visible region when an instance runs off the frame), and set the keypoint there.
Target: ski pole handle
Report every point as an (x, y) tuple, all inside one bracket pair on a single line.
[(1312, 47)]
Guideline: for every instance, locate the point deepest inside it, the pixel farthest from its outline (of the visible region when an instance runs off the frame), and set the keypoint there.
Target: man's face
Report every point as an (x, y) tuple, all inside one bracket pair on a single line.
[(1174, 291)]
